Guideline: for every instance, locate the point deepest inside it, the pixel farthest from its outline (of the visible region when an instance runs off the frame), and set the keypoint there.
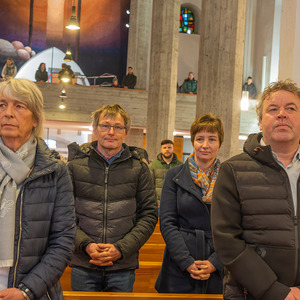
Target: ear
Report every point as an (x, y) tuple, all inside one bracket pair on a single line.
[(260, 124), (35, 123), (95, 132)]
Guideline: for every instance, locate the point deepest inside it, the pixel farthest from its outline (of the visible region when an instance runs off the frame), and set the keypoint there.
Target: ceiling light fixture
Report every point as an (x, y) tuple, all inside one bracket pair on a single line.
[(73, 23), (63, 94), (62, 105), (68, 56)]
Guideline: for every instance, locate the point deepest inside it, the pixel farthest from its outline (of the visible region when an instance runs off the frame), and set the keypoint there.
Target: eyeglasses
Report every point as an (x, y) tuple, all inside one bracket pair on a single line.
[(106, 128)]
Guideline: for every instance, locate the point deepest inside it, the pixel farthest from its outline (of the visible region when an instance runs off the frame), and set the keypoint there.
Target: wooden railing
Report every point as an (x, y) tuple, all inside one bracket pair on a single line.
[(135, 296)]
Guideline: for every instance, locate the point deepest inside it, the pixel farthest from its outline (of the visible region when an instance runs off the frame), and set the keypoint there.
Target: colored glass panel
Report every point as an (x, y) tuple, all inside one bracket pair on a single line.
[(186, 21)]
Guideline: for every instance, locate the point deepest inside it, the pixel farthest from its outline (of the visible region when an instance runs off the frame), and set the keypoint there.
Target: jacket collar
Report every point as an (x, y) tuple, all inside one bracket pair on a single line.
[(185, 181), (262, 154)]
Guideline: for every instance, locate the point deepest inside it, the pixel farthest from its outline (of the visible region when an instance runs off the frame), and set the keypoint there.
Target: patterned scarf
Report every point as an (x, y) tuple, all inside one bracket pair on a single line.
[(14, 168), (206, 180)]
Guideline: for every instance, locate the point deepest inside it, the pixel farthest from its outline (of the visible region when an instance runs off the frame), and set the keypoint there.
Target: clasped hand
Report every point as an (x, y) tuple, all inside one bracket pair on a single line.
[(201, 269), (102, 254)]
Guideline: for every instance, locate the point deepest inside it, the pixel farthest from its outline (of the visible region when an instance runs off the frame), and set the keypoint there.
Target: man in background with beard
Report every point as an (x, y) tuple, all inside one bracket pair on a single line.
[(166, 159)]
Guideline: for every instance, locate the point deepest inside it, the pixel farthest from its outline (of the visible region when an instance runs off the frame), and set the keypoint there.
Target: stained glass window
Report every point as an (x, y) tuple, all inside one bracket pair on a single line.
[(186, 21)]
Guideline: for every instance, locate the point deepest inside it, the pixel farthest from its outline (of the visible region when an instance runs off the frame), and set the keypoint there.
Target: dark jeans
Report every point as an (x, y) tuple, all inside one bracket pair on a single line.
[(83, 279)]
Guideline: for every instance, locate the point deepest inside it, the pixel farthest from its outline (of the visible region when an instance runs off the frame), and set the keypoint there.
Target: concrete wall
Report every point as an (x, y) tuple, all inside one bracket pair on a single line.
[(262, 44), (188, 54), (82, 100)]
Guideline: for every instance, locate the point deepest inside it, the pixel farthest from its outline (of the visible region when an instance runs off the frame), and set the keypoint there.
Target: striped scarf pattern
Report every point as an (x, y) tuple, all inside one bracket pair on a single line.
[(206, 180)]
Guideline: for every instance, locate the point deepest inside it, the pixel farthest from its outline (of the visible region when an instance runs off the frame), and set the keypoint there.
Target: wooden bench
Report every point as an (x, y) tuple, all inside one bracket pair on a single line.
[(135, 296)]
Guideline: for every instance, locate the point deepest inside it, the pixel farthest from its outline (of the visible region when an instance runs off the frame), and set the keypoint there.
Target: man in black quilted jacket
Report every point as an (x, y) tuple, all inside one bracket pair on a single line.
[(115, 205), (255, 207)]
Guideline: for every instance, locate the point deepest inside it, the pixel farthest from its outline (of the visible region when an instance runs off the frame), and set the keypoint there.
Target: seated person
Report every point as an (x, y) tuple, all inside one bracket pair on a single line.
[(190, 85), (41, 75), (250, 87), (66, 74), (129, 81), (9, 70), (115, 83)]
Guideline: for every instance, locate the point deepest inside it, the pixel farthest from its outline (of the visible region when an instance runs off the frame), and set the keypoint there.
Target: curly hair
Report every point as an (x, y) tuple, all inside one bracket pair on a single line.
[(284, 85)]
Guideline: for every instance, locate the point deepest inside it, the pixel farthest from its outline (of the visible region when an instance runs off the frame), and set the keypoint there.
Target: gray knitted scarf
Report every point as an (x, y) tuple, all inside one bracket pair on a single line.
[(14, 168)]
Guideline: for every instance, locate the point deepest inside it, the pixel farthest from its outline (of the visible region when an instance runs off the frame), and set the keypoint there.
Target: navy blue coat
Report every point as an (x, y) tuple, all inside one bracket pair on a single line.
[(45, 227), (185, 226)]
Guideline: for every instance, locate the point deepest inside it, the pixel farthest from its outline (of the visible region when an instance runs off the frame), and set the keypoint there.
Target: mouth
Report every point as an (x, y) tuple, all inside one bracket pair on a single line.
[(8, 125), (282, 125)]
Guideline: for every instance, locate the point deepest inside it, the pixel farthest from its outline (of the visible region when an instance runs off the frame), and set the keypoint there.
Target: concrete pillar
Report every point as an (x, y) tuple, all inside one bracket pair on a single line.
[(289, 41), (135, 137), (55, 22), (139, 40), (163, 73), (221, 66)]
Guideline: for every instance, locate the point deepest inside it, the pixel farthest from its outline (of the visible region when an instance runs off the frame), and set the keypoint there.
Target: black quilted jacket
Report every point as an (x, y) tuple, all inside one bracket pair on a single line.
[(114, 203), (255, 228)]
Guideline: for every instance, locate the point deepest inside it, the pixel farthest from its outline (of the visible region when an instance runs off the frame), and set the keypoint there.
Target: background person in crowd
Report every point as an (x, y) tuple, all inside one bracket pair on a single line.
[(41, 75), (250, 87), (115, 83), (115, 205), (190, 84), (9, 70), (129, 81), (166, 159), (190, 264), (66, 74), (255, 207), (37, 219)]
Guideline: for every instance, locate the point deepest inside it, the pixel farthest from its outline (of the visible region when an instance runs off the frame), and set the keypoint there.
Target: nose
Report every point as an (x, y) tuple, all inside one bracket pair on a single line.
[(281, 114), (111, 130), (205, 144), (9, 112)]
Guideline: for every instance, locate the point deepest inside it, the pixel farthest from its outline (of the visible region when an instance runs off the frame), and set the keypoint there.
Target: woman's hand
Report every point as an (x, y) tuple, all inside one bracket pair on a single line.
[(201, 269)]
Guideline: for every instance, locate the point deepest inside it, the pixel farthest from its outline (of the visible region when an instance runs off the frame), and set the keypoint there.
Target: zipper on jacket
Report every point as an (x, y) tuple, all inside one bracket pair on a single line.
[(296, 245), (19, 239), (105, 204)]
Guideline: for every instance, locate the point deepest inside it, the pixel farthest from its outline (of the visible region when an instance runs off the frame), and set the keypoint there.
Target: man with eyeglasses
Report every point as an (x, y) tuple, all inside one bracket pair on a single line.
[(115, 205)]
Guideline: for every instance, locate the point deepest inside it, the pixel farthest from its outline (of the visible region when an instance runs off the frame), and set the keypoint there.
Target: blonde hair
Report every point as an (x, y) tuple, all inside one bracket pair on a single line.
[(111, 111), (26, 92)]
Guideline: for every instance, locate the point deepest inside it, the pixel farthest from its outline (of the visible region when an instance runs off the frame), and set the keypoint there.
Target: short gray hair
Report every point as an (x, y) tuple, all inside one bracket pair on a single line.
[(26, 92)]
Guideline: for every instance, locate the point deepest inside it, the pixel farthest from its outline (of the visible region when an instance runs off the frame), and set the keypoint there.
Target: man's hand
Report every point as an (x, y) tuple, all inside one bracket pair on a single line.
[(11, 294), (294, 294), (102, 254)]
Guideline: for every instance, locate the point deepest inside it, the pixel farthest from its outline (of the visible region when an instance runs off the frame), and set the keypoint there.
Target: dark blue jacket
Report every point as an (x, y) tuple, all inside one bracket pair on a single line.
[(45, 227), (185, 226)]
